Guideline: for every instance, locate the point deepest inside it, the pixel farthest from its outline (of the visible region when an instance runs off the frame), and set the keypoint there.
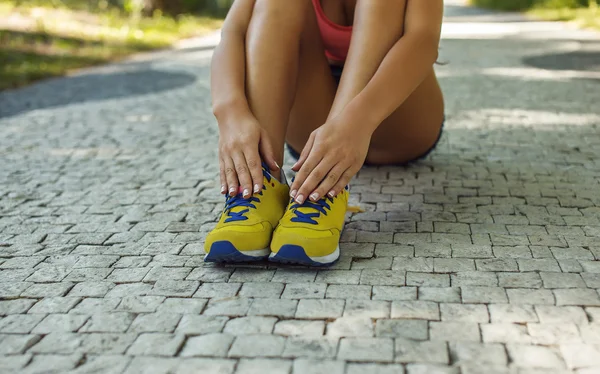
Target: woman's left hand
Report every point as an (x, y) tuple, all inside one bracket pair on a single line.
[(333, 154)]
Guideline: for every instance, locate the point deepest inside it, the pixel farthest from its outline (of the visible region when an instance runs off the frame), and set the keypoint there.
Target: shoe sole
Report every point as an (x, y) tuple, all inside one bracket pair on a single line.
[(225, 251), (294, 254)]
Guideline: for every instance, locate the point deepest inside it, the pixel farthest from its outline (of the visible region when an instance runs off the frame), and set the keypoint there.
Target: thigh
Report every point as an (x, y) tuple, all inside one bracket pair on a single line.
[(315, 87), (413, 129)]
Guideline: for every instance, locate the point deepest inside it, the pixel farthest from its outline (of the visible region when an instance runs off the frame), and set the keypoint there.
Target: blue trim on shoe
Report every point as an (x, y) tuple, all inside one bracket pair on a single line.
[(225, 251), (294, 254)]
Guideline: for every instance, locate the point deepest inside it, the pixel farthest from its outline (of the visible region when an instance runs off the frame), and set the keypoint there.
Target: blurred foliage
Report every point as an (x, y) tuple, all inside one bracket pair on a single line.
[(45, 38), (529, 4), (585, 13)]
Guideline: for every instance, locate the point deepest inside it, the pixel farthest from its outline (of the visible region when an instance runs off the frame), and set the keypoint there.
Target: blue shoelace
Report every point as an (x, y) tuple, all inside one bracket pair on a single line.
[(239, 201), (320, 206)]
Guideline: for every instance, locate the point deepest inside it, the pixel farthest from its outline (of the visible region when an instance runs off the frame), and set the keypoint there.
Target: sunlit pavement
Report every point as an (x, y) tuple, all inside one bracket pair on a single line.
[(484, 258)]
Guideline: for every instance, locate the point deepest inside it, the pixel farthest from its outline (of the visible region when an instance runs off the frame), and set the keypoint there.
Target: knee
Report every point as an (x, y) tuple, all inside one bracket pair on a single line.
[(288, 13)]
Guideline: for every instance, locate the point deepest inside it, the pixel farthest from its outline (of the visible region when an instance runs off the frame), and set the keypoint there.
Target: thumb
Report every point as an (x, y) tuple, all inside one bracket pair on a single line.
[(267, 154)]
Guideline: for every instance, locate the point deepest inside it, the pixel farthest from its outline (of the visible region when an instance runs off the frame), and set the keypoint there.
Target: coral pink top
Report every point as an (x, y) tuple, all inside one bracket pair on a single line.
[(336, 38)]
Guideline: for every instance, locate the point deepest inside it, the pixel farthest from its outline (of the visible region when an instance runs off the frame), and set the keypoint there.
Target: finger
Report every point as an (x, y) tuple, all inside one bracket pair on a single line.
[(222, 177), (253, 162), (305, 153), (313, 180), (311, 162), (243, 173), (231, 177), (342, 182), (326, 186), (267, 153)]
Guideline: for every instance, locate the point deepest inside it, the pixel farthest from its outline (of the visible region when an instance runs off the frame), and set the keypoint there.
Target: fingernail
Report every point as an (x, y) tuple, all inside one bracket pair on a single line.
[(314, 196), (293, 193), (232, 190), (276, 164), (256, 188), (223, 189), (246, 193), (300, 199), (331, 193)]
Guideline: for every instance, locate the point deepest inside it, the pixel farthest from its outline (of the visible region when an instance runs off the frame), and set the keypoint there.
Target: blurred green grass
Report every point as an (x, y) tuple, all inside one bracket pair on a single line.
[(41, 39), (585, 13)]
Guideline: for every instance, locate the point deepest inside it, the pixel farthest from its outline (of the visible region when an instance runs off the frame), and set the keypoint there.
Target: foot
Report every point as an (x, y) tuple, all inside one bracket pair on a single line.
[(309, 233), (246, 226)]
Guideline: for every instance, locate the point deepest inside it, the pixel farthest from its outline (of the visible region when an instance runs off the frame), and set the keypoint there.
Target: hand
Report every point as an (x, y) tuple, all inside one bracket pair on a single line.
[(241, 143), (333, 154)]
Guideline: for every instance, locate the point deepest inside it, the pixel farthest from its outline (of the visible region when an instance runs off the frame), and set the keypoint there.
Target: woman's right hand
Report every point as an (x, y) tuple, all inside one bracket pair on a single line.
[(243, 145)]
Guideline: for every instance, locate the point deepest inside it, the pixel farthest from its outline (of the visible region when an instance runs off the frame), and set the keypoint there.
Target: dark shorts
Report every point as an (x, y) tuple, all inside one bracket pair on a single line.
[(336, 71)]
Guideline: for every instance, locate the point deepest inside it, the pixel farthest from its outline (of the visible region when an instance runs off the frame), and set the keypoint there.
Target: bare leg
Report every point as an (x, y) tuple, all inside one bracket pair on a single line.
[(283, 61), (413, 128)]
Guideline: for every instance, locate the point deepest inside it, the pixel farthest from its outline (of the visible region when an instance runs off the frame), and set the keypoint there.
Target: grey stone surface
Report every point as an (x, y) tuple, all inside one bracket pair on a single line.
[(481, 258)]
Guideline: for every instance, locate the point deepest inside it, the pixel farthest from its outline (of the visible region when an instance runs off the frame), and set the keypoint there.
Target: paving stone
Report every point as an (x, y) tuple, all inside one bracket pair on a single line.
[(505, 333), (527, 356), (319, 309), (356, 368), (210, 345), (454, 331), (530, 296), (155, 322), (58, 363), (60, 323), (415, 310), (483, 295), (382, 277), (156, 344), (251, 275), (339, 291), (409, 329), (520, 280), (91, 289), (427, 279), (391, 293), (257, 346), (174, 288), (11, 344), (217, 290), (47, 290), (228, 307), (310, 347), (209, 275), (316, 366), (464, 312), (8, 307), (96, 364), (581, 296), (103, 343), (409, 351), (183, 306), (300, 328), (508, 313), (580, 355), (346, 277), (367, 308), (350, 326), (417, 264), (129, 289), (562, 280), (198, 325), (250, 325), (19, 323), (257, 366), (96, 305), (430, 369), (304, 291), (367, 349), (552, 334), (109, 322), (440, 294), (561, 314), (273, 307), (268, 290), (474, 278), (451, 265), (12, 364), (140, 304)]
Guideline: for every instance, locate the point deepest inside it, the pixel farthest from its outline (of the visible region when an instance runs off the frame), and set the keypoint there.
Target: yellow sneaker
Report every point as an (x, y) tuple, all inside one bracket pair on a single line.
[(309, 234), (246, 225)]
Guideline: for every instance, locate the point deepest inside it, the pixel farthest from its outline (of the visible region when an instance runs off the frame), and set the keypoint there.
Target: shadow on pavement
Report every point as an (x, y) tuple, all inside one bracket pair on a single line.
[(580, 60), (92, 87)]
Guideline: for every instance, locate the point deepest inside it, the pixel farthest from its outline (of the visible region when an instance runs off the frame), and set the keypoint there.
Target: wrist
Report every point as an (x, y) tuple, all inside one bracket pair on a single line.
[(231, 110), (356, 118)]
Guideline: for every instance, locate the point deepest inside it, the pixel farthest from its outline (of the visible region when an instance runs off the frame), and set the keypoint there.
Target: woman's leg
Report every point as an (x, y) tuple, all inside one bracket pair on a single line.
[(286, 69), (414, 127)]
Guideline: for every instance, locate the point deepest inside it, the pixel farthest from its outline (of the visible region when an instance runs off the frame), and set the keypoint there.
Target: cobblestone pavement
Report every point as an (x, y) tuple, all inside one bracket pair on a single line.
[(484, 258)]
